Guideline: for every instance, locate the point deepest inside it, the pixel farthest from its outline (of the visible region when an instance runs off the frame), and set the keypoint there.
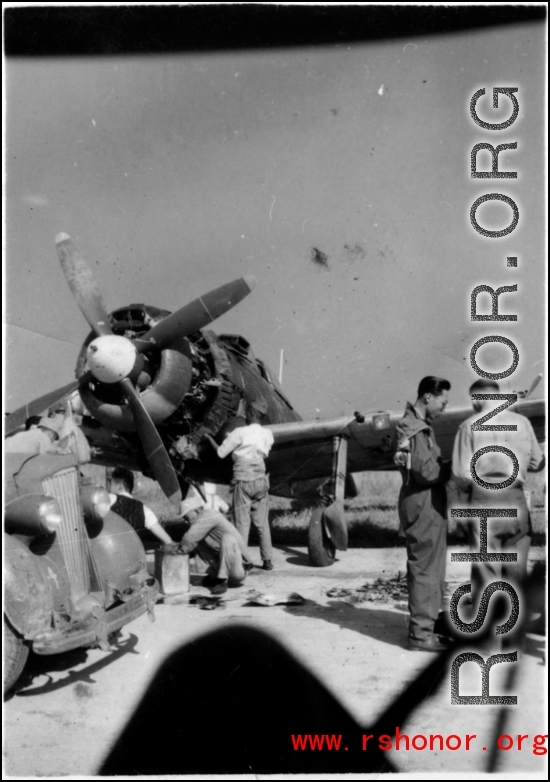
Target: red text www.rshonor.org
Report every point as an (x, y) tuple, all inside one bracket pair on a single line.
[(437, 742)]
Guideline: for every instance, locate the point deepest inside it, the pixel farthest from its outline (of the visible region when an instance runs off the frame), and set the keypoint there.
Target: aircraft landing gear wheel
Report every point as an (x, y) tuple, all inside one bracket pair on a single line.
[(16, 651), (320, 548)]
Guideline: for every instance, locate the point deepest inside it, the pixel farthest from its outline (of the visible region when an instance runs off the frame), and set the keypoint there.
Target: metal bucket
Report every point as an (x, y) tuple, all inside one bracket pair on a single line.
[(172, 572)]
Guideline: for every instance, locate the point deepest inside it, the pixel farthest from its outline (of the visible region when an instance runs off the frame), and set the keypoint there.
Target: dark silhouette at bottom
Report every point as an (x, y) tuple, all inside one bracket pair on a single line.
[(229, 703)]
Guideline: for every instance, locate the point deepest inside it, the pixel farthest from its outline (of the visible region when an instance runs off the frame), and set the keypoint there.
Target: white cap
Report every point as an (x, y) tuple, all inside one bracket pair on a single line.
[(192, 503)]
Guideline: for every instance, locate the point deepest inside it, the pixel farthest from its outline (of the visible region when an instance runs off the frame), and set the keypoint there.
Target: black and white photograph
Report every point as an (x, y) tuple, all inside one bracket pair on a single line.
[(275, 325)]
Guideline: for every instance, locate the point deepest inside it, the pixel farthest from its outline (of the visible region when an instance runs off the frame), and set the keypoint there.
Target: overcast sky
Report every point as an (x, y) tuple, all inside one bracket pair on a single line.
[(175, 174)]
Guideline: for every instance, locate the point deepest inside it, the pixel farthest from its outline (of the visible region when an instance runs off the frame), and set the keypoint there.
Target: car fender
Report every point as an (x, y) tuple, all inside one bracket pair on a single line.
[(28, 601), (118, 553)]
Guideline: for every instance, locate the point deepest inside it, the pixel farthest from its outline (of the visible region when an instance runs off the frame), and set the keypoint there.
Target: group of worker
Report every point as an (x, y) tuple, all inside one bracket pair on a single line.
[(220, 544), (432, 488)]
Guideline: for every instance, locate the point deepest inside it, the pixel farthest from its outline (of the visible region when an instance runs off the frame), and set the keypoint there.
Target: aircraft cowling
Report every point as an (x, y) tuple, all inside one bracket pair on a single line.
[(161, 398)]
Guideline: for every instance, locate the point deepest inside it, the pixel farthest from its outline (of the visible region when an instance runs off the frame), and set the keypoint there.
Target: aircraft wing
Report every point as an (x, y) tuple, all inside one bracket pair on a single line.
[(303, 449)]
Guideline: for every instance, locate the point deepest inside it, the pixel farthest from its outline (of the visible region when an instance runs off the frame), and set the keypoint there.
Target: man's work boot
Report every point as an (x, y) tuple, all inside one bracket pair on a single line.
[(431, 644), (220, 588), (268, 564)]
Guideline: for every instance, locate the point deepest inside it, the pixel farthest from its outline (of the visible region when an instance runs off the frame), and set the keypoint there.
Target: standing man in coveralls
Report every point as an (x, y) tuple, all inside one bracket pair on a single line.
[(250, 445), (138, 515), (423, 511)]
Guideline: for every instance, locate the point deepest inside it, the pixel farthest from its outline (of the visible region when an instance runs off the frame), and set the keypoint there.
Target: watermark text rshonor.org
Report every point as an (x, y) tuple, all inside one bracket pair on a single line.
[(501, 96)]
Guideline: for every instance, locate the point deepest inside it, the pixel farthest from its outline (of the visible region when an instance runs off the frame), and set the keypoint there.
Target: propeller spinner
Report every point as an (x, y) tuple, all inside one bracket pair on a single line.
[(111, 358)]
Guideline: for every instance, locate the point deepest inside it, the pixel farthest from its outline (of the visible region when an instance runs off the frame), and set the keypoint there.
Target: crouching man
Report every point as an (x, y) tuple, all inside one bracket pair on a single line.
[(136, 513), (217, 542)]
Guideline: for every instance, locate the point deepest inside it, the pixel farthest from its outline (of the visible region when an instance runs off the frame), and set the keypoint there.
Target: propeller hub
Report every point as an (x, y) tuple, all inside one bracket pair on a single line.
[(111, 358)]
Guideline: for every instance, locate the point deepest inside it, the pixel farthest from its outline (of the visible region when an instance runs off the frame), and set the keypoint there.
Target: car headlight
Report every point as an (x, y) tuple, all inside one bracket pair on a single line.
[(95, 501), (33, 514)]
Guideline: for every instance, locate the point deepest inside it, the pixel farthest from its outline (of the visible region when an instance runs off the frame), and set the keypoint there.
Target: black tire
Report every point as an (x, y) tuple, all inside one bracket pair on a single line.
[(16, 651), (320, 549)]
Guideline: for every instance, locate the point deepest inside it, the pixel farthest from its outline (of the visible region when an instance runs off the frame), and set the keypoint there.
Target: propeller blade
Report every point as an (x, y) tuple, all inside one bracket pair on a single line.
[(38, 406), (82, 284), (154, 449), (196, 314)]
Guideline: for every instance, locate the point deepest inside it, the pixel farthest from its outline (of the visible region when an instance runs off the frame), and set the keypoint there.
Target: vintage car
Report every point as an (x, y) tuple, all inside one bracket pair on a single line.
[(74, 571)]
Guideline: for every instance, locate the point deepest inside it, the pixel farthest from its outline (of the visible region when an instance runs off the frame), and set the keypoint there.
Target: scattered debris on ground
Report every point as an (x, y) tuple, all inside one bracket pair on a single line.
[(257, 598), (207, 603), (380, 590)]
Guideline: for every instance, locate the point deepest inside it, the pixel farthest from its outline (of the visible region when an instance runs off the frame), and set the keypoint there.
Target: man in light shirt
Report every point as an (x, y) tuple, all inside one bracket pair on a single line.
[(249, 446), (503, 534), (207, 492)]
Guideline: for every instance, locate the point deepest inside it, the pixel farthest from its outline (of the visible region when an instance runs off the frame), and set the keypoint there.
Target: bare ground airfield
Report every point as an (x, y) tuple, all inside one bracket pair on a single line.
[(67, 711)]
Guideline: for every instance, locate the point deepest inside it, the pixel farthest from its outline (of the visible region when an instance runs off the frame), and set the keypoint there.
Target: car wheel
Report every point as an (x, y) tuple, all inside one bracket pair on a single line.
[(16, 651), (320, 548)]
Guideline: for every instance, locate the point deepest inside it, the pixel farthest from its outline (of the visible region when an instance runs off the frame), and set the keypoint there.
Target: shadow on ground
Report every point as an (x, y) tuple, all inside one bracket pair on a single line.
[(378, 623), (45, 665)]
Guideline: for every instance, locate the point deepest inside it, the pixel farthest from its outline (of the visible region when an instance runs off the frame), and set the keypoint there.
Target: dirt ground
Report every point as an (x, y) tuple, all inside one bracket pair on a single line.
[(67, 710)]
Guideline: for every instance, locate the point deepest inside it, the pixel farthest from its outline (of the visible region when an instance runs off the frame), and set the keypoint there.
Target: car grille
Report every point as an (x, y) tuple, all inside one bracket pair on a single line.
[(72, 536)]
